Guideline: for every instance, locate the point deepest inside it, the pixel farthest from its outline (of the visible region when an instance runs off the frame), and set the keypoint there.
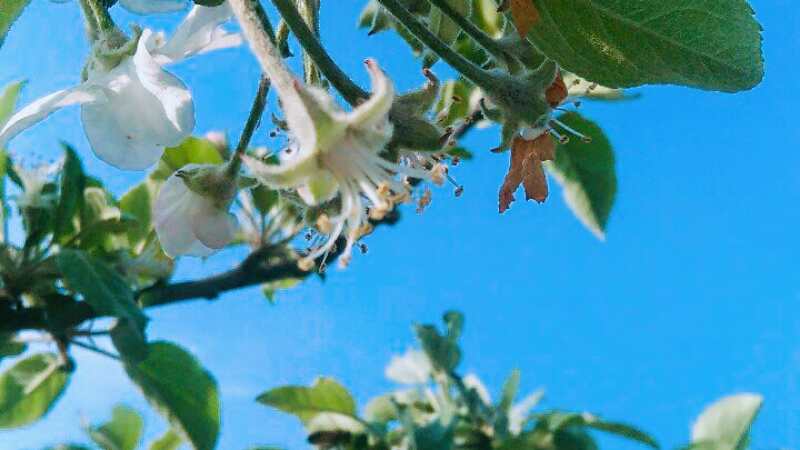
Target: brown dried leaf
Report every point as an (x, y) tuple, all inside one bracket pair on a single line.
[(557, 92), (523, 13), (526, 168)]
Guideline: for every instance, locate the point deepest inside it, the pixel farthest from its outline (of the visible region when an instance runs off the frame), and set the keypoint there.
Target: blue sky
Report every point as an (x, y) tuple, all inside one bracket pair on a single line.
[(693, 296)]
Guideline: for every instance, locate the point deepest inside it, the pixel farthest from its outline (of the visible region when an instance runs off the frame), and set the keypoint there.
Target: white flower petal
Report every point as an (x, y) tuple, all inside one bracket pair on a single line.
[(172, 217), (473, 382), (214, 228), (43, 107), (519, 412), (201, 32), (153, 6), (374, 111), (289, 174), (147, 109), (412, 367)]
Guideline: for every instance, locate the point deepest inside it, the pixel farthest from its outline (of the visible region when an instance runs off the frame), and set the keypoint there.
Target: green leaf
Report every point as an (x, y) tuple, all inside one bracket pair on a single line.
[(443, 353), (264, 198), (191, 151), (29, 389), (454, 321), (137, 202), (586, 173), (708, 44), (8, 99), (171, 440), (10, 10), (326, 395), (182, 391), (727, 422), (69, 447), (129, 341), (558, 421), (103, 288), (70, 200), (9, 346), (623, 430), (122, 432), (270, 289)]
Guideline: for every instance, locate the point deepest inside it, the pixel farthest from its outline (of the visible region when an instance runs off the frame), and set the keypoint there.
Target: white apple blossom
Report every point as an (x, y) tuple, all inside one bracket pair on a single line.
[(412, 367), (191, 211), (133, 110), (339, 153), (520, 411), (33, 183)]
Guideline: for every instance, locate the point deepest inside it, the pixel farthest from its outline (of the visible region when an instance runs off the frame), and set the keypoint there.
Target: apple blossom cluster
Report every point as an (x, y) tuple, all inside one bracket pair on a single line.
[(132, 109)]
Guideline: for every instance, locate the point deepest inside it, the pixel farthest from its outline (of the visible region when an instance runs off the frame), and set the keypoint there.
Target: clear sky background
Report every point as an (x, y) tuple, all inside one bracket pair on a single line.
[(693, 296)]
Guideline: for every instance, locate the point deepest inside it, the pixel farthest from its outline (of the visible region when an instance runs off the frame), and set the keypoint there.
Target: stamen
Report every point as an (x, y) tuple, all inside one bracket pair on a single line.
[(324, 224), (577, 133), (561, 138), (424, 201), (459, 191)]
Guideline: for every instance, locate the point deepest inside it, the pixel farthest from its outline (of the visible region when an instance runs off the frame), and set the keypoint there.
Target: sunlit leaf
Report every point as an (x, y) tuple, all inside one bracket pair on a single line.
[(29, 389)]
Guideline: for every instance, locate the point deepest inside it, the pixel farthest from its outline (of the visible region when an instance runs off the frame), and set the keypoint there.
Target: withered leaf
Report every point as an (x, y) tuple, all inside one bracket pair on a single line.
[(523, 13), (557, 92), (526, 168)]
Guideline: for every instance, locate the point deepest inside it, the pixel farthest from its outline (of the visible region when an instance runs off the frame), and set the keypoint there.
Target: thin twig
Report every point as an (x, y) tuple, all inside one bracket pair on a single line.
[(97, 350)]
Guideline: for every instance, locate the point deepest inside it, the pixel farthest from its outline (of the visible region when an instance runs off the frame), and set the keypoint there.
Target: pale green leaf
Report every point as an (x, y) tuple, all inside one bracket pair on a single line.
[(29, 389), (122, 432), (324, 396), (8, 99), (727, 422), (171, 440)]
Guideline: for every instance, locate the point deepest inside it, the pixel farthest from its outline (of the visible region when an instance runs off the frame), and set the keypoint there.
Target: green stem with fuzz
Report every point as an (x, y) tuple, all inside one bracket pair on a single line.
[(104, 21), (483, 39), (253, 119), (466, 67), (351, 92), (89, 20)]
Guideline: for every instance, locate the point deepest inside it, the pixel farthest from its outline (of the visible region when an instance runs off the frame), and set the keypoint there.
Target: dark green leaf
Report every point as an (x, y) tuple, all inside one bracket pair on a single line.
[(10, 10), (9, 346), (129, 341), (29, 389), (587, 174), (70, 200), (122, 432), (709, 44), (182, 391), (100, 286), (324, 396), (209, 2), (443, 353), (454, 321), (264, 198)]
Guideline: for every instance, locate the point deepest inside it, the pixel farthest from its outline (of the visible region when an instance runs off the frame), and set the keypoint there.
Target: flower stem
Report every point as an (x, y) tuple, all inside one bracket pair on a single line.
[(309, 11), (484, 40), (458, 62), (89, 19), (351, 92), (268, 55), (104, 21), (256, 111)]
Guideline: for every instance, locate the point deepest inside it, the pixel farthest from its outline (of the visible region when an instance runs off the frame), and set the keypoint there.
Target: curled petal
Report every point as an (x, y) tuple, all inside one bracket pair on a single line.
[(201, 32), (289, 174), (43, 107), (375, 111), (153, 6), (172, 214), (412, 367), (146, 110)]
